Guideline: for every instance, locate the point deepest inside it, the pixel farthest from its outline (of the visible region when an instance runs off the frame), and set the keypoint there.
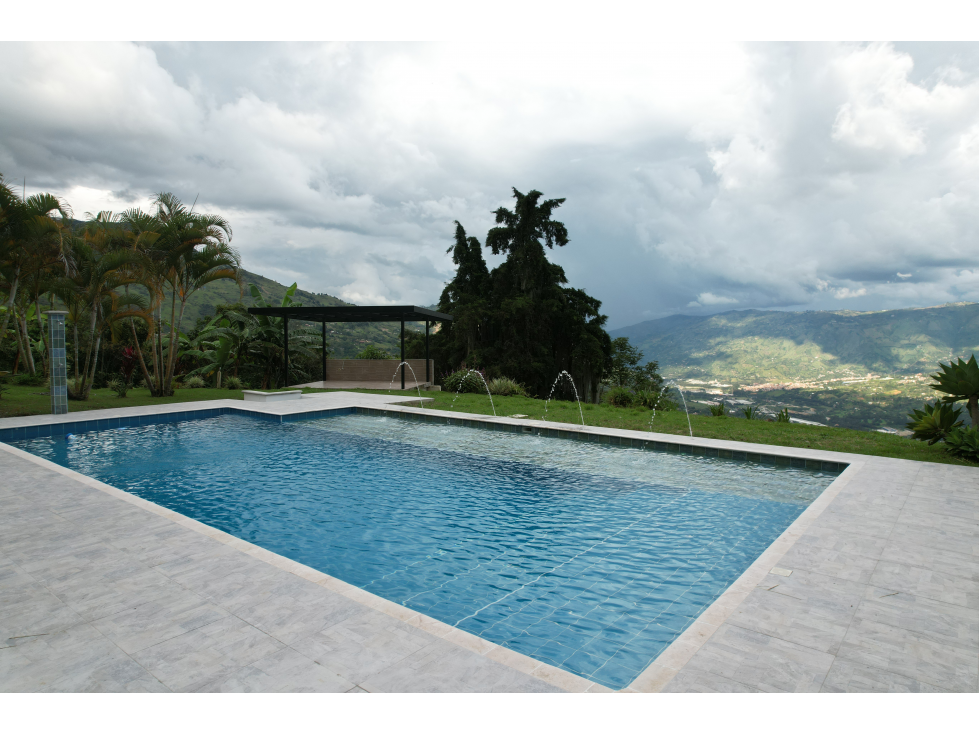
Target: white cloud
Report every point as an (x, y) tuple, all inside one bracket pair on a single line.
[(696, 176)]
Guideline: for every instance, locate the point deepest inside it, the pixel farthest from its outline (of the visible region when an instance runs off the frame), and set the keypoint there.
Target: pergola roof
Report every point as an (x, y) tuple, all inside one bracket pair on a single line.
[(353, 313)]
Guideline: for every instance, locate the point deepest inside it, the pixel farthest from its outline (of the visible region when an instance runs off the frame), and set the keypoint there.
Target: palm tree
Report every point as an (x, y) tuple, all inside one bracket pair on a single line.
[(33, 241), (95, 290), (190, 251)]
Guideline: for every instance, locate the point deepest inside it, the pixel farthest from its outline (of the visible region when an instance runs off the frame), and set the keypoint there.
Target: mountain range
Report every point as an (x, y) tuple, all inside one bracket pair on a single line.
[(751, 346), (346, 339)]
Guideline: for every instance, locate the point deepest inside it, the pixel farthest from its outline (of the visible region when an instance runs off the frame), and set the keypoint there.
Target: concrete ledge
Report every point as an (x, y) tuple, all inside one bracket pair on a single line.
[(271, 397)]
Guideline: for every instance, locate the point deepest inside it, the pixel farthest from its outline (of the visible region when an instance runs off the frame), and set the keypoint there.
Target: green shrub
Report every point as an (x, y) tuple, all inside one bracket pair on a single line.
[(620, 397), (372, 352), (234, 383), (194, 382), (28, 380), (506, 386), (964, 443), (464, 381), (118, 386), (934, 423), (783, 416), (750, 413), (718, 410)]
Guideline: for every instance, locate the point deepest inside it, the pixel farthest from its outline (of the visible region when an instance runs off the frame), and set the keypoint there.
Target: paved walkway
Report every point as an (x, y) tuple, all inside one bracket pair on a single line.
[(874, 587)]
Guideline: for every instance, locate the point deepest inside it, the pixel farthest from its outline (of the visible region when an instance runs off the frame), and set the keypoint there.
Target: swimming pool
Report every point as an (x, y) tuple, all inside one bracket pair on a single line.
[(588, 557)]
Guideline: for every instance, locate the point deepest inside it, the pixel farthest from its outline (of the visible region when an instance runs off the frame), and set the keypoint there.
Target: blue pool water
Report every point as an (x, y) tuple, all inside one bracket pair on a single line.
[(589, 557)]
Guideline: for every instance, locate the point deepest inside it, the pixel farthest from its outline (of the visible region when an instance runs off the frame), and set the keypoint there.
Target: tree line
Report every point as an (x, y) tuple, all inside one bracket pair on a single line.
[(125, 279)]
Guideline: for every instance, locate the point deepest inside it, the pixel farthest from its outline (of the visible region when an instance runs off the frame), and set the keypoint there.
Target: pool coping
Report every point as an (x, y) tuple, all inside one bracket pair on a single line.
[(652, 679)]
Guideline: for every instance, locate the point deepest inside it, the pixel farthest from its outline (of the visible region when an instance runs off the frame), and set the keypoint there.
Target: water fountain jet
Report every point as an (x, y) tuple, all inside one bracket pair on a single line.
[(564, 373), (463, 381), (420, 403)]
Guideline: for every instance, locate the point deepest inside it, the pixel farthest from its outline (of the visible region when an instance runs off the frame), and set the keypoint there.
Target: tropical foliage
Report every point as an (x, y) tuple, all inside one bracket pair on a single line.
[(124, 281), (940, 421), (373, 352), (521, 320)]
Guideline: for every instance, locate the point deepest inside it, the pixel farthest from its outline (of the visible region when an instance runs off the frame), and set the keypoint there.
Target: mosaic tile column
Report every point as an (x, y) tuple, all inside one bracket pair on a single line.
[(59, 363)]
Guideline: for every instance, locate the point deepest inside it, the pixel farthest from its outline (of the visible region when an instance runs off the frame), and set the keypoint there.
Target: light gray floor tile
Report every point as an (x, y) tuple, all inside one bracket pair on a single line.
[(761, 661), (843, 542), (77, 659), (849, 677), (696, 681), (363, 644), (929, 583), (820, 625), (910, 654), (957, 564), (847, 566), (442, 666), (157, 621), (285, 671), (294, 618), (207, 654)]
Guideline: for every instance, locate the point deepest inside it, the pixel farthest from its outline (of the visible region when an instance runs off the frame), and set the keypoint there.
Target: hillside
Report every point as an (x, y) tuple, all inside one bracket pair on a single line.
[(346, 340), (847, 368), (746, 347)]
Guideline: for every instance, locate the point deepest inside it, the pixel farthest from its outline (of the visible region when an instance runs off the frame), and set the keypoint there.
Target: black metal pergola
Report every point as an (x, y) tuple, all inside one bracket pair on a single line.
[(338, 314)]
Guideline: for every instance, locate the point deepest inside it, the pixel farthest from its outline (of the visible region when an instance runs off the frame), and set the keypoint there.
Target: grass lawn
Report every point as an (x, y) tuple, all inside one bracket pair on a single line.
[(18, 400)]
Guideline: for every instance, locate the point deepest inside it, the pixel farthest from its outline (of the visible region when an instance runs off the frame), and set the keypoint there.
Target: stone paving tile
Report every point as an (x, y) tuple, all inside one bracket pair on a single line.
[(860, 525), (936, 537), (207, 654), (965, 506), (926, 640), (157, 621), (829, 562), (697, 681), (75, 659), (29, 609), (849, 677), (961, 565), (819, 624), (363, 645), (927, 582), (853, 509), (843, 542), (284, 670), (910, 654), (757, 660), (444, 667), (299, 614)]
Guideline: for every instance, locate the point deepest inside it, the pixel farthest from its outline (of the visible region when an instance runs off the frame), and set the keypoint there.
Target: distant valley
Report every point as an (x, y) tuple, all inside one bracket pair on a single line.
[(848, 368)]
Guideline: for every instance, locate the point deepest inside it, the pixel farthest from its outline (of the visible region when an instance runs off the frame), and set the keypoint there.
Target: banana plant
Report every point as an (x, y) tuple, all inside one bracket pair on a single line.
[(959, 381)]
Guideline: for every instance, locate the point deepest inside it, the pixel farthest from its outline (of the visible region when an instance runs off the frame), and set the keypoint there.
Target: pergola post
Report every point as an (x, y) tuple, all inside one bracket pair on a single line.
[(428, 369), (285, 352), (324, 351), (402, 354)]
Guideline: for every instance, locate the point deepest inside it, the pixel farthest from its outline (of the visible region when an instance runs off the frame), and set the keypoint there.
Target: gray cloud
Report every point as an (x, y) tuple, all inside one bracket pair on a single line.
[(698, 179)]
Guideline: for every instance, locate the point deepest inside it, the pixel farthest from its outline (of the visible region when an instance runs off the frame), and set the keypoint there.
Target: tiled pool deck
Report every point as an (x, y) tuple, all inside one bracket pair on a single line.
[(875, 587)]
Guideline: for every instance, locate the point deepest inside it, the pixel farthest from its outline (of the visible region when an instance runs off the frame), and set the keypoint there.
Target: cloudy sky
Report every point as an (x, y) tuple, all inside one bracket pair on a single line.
[(698, 178)]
